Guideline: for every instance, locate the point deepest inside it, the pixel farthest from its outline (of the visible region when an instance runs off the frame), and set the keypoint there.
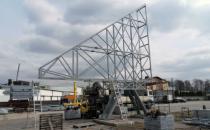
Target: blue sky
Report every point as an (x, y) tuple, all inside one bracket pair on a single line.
[(35, 31)]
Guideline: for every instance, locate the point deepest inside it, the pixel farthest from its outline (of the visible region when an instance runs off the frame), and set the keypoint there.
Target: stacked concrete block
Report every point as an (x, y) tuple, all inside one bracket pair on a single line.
[(201, 114), (159, 123), (72, 113)]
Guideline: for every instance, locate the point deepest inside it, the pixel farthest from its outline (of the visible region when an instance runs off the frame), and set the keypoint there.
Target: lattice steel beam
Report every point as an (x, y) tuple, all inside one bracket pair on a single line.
[(120, 52)]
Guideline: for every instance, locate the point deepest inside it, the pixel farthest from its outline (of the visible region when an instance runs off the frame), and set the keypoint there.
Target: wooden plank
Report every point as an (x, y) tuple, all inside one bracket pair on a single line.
[(50, 124), (51, 121), (104, 122), (82, 125), (114, 122)]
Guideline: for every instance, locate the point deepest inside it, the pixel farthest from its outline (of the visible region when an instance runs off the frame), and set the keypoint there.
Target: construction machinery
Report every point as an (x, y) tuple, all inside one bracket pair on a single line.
[(72, 105), (94, 100), (71, 100), (90, 105)]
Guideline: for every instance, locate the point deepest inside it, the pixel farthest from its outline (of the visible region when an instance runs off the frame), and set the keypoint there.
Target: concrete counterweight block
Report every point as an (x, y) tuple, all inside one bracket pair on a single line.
[(165, 122)]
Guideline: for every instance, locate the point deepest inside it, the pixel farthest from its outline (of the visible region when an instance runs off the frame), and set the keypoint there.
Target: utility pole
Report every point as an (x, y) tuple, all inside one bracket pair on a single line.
[(18, 72)]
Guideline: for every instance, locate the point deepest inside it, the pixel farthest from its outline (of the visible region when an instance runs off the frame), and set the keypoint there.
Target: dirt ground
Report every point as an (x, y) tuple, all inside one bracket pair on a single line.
[(25, 121)]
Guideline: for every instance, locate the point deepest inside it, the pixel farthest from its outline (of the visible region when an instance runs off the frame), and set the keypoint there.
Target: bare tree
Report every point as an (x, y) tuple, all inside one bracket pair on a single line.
[(180, 86), (188, 85), (199, 85)]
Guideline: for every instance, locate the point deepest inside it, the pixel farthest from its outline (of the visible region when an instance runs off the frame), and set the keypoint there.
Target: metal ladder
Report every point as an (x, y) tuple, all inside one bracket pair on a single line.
[(39, 105), (35, 105), (118, 94)]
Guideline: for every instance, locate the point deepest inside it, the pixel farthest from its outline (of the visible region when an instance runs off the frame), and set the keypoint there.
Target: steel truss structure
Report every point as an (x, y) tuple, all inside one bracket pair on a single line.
[(120, 53)]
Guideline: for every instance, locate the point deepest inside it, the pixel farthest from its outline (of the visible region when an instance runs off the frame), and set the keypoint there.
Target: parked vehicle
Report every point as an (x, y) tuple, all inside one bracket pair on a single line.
[(179, 99)]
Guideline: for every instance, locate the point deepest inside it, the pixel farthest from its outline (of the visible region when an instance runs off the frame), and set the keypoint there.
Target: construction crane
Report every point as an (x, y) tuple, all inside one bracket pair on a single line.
[(118, 56)]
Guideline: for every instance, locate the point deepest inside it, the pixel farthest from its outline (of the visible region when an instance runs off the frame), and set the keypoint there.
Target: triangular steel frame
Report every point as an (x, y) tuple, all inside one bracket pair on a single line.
[(120, 52)]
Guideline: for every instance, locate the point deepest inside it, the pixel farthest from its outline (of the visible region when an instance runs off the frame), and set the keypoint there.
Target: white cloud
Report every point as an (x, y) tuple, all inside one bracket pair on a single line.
[(197, 3), (41, 44), (42, 11)]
